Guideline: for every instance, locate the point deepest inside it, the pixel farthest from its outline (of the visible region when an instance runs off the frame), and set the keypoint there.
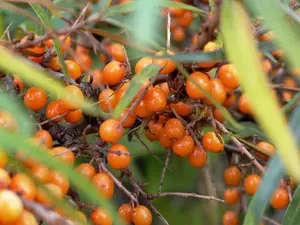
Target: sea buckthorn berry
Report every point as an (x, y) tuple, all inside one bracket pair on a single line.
[(218, 91), (118, 52), (3, 158), (104, 184), (21, 183), (18, 83), (54, 109), (41, 173), (54, 63), (165, 88), (181, 108), (230, 101), (73, 69), (101, 216), (268, 36), (289, 82), (267, 65), (97, 76), (218, 115), (243, 104), (107, 100), (86, 170), (141, 110), (45, 138), (111, 130), (27, 218), (183, 146), (38, 49), (4, 179), (209, 47), (167, 65), (232, 176), (141, 215), (231, 196), (113, 73), (176, 11), (178, 34), (165, 141), (11, 207), (73, 97), (212, 143), (228, 75), (84, 61), (163, 119), (118, 157), (63, 154), (197, 158), (81, 50), (125, 213), (155, 128), (174, 129), (192, 85), (120, 92), (267, 148), (142, 63), (186, 19), (277, 53), (7, 121), (65, 42), (251, 183), (230, 218), (74, 116), (130, 120), (280, 198), (60, 181), (44, 194), (35, 98)]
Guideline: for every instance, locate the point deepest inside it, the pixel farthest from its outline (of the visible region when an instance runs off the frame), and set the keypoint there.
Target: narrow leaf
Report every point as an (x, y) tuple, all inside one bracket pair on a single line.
[(292, 215)]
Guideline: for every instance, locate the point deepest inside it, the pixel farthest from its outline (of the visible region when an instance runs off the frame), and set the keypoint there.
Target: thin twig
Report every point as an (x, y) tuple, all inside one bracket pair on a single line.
[(163, 172), (6, 31), (169, 31), (53, 118)]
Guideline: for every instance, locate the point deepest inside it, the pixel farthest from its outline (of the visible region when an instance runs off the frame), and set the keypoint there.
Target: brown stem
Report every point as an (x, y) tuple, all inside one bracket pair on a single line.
[(163, 172)]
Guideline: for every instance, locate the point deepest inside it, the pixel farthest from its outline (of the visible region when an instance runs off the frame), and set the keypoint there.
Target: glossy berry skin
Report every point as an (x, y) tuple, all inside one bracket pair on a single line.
[(251, 183), (167, 65), (18, 83), (174, 129), (41, 173), (230, 101), (178, 34), (54, 109), (23, 184), (232, 176), (181, 108), (230, 218), (228, 75), (231, 196), (218, 115), (111, 130), (86, 170), (107, 100), (141, 110), (142, 63), (118, 161), (267, 148), (218, 91), (202, 80), (117, 51), (73, 69), (27, 218), (11, 207), (155, 128), (60, 180), (165, 141), (84, 61), (63, 154), (35, 98), (212, 143), (5, 180), (73, 97), (130, 120), (209, 47), (44, 138), (155, 100), (104, 184), (74, 116), (186, 19), (3, 158), (141, 216), (101, 217), (42, 194), (280, 198), (97, 76), (125, 213), (243, 104), (197, 158), (39, 49), (183, 146), (120, 92), (113, 73)]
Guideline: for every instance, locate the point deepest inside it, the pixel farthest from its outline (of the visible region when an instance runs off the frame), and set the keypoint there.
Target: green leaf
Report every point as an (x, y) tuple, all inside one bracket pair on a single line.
[(292, 215), (135, 85), (250, 130), (242, 51)]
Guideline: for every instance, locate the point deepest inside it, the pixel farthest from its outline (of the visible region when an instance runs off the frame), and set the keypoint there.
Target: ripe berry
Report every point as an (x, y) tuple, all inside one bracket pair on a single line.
[(243, 105), (141, 215), (183, 146), (65, 42), (41, 173), (251, 183), (155, 128), (197, 158), (232, 176), (27, 218), (35, 98), (212, 143), (165, 141), (38, 49), (142, 63), (44, 194), (113, 73), (24, 185), (44, 138), (174, 129), (54, 109), (228, 75), (97, 76), (218, 115), (117, 51), (186, 19), (73, 97), (54, 63), (120, 92), (7, 121), (192, 85), (5, 180), (125, 213), (18, 83), (267, 148), (101, 216), (107, 100), (231, 196), (130, 120), (60, 181), (167, 65), (155, 99), (230, 101), (74, 116), (218, 91), (86, 170), (111, 130), (181, 108), (84, 61), (280, 198), (11, 207), (3, 158), (176, 11), (209, 47), (141, 110), (73, 69), (165, 88), (230, 218), (178, 34), (104, 184), (63, 154), (117, 157)]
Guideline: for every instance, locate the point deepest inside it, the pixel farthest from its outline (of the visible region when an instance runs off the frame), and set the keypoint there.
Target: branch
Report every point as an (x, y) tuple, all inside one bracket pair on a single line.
[(163, 172)]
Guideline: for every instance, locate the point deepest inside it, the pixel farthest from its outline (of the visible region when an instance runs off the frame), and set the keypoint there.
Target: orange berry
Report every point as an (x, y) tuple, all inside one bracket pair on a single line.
[(7, 121), (81, 50), (231, 196), (5, 180), (192, 85), (251, 183), (267, 65), (218, 115), (18, 83), (107, 100), (165, 88), (104, 184), (35, 98), (165, 141), (118, 52), (54, 109), (218, 91), (97, 78), (183, 146), (41, 173), (45, 138), (86, 170), (230, 101), (113, 73), (141, 215), (176, 11), (155, 128), (39, 49), (278, 53), (267, 148), (178, 34), (141, 110), (65, 42), (3, 158), (197, 158), (289, 82), (44, 194), (228, 75), (101, 217), (243, 104), (11, 207), (125, 213), (209, 47), (174, 129), (73, 97), (119, 93), (186, 19), (130, 120), (232, 176), (280, 198), (111, 130), (212, 143), (60, 181), (24, 185), (84, 61), (142, 63), (230, 218), (117, 157), (74, 116), (27, 218), (181, 108), (268, 36), (63, 154), (167, 65), (73, 69)]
